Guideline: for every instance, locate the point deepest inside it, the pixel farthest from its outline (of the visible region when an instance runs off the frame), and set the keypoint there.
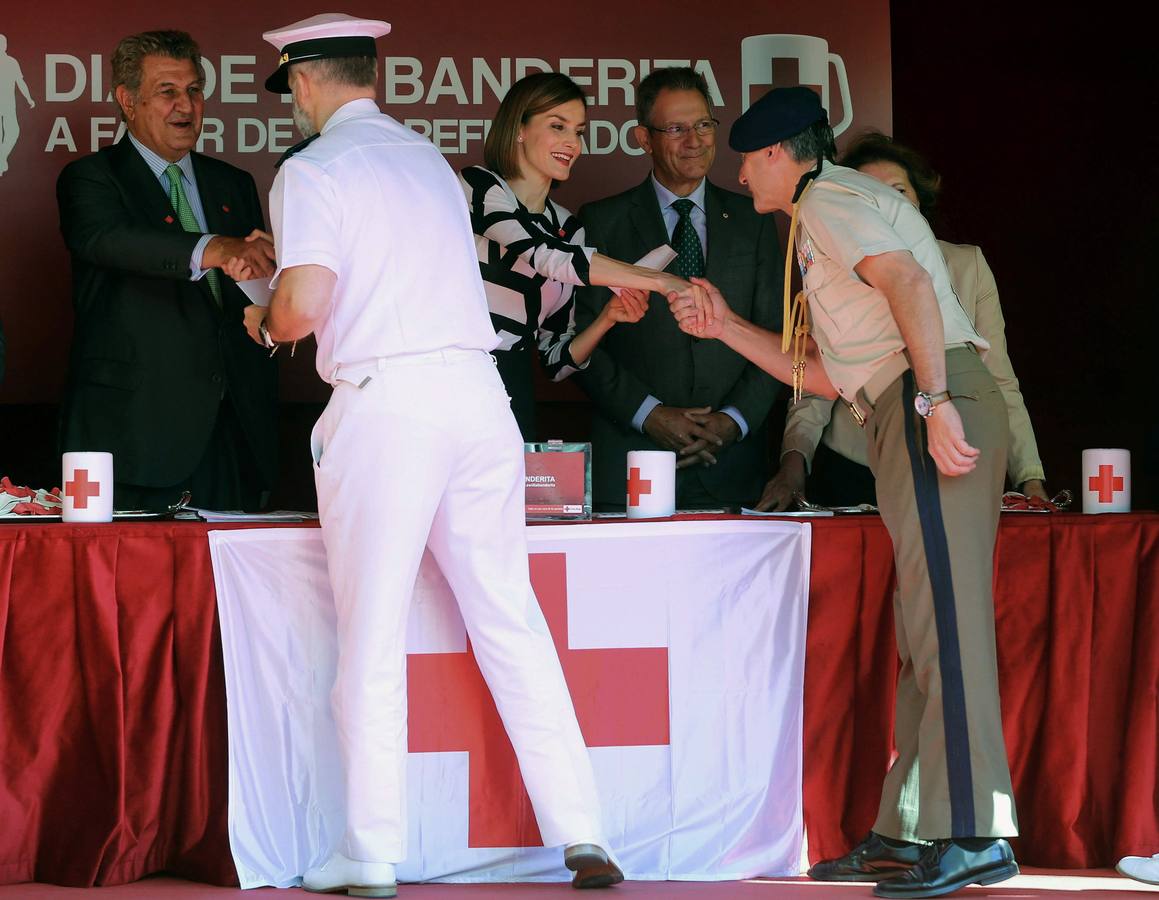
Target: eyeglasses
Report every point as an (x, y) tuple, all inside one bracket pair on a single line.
[(703, 127)]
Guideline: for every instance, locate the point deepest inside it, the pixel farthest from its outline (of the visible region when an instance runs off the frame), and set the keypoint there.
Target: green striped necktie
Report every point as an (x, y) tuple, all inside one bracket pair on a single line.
[(188, 221)]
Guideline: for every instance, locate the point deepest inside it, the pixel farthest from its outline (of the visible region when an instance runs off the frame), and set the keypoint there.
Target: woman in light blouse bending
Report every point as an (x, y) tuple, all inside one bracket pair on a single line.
[(823, 439), (531, 249)]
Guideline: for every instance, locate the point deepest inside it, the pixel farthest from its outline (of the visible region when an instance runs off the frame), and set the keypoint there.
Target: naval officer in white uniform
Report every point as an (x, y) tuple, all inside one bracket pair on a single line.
[(417, 448)]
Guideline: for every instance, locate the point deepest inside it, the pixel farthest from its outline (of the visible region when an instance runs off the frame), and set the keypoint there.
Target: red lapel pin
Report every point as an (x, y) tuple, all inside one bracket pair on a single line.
[(224, 208), (168, 220)]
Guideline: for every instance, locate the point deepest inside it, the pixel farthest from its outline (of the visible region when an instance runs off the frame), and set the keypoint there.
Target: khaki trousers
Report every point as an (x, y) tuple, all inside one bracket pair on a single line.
[(951, 777)]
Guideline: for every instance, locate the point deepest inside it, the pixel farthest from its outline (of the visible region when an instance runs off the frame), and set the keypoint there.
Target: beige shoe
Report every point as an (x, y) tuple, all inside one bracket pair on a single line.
[(592, 867), (340, 874), (1141, 868)]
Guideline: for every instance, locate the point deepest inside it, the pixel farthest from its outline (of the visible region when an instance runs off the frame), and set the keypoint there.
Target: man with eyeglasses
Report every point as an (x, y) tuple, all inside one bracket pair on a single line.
[(162, 373), (653, 386)]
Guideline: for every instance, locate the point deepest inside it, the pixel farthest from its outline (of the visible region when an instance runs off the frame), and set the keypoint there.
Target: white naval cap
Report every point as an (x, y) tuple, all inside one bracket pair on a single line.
[(324, 36)]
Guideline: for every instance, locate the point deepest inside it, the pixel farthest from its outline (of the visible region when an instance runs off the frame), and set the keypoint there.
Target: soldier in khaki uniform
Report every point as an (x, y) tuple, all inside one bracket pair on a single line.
[(839, 474), (890, 338)]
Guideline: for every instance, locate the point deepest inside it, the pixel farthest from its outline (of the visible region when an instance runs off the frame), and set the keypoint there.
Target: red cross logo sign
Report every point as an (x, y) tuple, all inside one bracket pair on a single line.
[(81, 489), (1107, 483), (620, 698)]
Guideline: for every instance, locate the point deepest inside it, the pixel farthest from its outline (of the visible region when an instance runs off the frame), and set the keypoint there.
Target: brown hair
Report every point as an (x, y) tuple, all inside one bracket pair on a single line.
[(528, 97), (873, 146)]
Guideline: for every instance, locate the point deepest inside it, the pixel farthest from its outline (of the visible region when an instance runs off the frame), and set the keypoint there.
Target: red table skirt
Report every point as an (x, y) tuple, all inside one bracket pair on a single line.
[(112, 700)]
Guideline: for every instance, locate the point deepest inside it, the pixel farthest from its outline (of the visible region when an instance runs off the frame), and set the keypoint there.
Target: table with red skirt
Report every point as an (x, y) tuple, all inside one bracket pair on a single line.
[(113, 746)]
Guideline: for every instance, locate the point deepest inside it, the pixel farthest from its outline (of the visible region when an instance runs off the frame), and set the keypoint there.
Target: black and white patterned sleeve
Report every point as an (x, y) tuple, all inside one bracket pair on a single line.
[(498, 216), (558, 327)]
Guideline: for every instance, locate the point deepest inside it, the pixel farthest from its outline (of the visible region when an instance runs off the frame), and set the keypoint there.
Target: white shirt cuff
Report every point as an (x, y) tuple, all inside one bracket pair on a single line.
[(195, 258), (733, 413), (649, 404)]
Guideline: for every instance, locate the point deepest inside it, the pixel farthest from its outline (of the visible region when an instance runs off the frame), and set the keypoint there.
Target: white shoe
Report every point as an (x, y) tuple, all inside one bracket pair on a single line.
[(1141, 868), (357, 879)]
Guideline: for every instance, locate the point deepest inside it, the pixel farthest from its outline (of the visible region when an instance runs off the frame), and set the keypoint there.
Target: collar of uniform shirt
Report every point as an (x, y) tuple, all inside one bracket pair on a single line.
[(354, 109), (803, 183)]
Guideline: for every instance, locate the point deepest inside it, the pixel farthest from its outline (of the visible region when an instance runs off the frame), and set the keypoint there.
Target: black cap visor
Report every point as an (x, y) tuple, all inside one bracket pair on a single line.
[(318, 48)]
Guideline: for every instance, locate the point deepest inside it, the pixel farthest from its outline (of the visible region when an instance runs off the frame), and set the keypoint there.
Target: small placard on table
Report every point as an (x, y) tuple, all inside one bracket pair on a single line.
[(558, 480)]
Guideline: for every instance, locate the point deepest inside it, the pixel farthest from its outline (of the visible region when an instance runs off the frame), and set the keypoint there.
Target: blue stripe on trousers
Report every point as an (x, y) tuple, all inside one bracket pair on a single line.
[(925, 477)]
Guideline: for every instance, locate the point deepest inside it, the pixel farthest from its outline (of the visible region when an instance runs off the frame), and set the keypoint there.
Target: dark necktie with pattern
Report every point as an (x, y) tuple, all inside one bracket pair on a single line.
[(189, 222), (686, 242)]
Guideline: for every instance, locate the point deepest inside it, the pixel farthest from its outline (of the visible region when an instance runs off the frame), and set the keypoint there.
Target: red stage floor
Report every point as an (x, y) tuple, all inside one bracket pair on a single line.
[(1093, 883)]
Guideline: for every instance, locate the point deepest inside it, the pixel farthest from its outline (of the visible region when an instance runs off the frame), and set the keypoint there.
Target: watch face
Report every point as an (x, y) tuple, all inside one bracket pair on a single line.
[(922, 405)]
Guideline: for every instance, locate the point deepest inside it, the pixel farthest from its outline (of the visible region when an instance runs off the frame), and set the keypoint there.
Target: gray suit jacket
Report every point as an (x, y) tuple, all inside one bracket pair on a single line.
[(655, 357)]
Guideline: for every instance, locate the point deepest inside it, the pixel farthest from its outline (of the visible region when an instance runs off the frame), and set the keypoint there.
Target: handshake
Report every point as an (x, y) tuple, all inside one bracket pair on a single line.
[(699, 308), (241, 258)]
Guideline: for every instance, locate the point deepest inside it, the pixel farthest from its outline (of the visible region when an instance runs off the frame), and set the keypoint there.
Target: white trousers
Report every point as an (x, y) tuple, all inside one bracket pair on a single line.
[(427, 454)]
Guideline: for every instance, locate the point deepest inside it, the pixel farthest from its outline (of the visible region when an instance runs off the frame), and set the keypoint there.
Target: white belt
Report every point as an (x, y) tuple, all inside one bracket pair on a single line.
[(360, 373)]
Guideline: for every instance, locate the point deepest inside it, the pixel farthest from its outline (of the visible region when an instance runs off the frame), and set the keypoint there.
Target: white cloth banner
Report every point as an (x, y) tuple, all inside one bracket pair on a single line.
[(684, 648)]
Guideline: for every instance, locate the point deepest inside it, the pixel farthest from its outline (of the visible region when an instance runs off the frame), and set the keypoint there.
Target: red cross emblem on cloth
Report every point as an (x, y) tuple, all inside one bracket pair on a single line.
[(80, 488), (637, 486), (620, 698), (1107, 483)]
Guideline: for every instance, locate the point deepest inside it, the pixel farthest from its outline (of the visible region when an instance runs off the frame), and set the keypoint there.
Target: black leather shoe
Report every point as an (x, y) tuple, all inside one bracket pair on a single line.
[(873, 859), (947, 866)]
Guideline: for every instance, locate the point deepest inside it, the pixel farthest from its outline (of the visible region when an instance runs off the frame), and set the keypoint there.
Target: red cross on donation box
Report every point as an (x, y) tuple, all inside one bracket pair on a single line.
[(620, 698), (1107, 483), (637, 486), (81, 489)]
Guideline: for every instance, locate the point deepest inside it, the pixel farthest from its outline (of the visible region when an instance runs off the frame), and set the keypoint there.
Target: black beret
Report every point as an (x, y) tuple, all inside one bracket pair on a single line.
[(779, 114)]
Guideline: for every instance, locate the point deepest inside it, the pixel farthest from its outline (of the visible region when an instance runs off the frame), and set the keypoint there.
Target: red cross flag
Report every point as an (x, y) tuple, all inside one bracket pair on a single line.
[(682, 645), (87, 495), (1106, 481)]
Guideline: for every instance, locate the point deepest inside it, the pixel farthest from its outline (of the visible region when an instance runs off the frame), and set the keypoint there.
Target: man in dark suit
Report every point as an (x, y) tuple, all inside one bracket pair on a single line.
[(162, 373), (655, 387)]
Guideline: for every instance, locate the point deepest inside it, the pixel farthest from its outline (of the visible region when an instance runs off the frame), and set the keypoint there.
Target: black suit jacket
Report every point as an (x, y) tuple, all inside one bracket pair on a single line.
[(152, 353), (655, 357)]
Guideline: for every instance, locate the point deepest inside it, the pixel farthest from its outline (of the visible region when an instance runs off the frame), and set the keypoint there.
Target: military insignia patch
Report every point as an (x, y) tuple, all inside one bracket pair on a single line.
[(805, 258)]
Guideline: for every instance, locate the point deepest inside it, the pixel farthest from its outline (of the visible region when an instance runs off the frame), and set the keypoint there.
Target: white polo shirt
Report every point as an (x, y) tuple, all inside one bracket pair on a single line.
[(376, 203), (845, 217)]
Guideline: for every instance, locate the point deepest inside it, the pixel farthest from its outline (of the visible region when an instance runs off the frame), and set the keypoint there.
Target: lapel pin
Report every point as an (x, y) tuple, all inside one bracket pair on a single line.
[(168, 220), (224, 208)]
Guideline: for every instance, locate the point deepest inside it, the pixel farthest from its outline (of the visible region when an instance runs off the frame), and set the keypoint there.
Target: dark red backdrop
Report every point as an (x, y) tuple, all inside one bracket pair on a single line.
[(438, 66), (1042, 123)]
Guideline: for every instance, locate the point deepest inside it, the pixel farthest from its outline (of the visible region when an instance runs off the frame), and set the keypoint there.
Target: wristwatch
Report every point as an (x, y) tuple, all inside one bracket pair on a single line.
[(925, 403), (264, 333)]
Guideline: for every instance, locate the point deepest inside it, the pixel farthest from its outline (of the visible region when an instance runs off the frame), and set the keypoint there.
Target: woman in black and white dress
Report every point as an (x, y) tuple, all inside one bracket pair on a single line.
[(531, 249)]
